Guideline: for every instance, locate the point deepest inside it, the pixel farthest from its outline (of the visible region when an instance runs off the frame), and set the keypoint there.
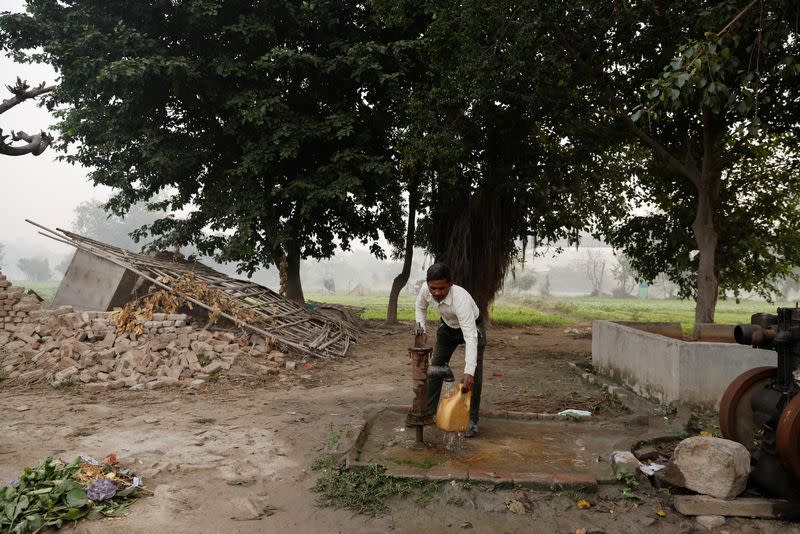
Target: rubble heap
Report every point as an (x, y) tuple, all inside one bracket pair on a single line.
[(64, 347)]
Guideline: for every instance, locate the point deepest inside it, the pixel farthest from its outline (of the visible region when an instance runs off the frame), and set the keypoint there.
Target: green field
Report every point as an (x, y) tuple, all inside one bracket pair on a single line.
[(46, 290), (536, 311), (554, 311)]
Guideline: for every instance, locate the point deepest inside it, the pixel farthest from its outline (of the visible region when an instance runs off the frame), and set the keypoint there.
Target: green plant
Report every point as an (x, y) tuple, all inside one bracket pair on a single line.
[(629, 483), (49, 495), (333, 438), (203, 359), (203, 420), (367, 491), (66, 383)]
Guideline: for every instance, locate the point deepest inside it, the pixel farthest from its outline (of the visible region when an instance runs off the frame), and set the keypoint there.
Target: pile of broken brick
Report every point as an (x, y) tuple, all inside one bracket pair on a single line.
[(65, 347)]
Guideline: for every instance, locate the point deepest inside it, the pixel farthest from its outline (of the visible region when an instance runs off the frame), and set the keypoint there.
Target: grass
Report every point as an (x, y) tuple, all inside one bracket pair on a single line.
[(46, 290), (526, 310), (367, 491), (554, 311)]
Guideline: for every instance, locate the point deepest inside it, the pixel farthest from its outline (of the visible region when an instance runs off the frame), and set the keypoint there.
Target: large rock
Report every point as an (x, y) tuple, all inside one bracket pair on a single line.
[(711, 466)]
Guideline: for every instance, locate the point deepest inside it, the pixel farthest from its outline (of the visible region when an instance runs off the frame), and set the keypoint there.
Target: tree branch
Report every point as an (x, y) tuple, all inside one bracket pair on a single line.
[(23, 92), (618, 110), (36, 144)]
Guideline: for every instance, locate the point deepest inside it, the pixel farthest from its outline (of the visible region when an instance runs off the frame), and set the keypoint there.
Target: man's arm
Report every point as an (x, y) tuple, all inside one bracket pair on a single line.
[(421, 307), (469, 329)]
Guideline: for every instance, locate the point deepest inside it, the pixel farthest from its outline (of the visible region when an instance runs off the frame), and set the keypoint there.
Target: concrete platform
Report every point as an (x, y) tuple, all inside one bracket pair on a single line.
[(671, 370), (535, 450)]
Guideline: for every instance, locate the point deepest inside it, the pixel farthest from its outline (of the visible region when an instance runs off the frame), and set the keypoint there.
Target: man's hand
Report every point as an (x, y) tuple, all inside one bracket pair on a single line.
[(466, 383)]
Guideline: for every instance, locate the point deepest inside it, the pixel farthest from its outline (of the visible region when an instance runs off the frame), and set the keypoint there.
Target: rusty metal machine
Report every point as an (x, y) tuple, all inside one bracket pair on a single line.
[(761, 407), (420, 415)]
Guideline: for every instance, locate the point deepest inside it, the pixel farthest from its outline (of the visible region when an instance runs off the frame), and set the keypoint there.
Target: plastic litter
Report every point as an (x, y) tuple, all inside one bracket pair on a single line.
[(573, 411), (650, 469), (101, 490)]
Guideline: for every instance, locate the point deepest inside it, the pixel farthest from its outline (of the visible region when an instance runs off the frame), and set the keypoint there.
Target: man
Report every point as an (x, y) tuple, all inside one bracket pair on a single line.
[(459, 324)]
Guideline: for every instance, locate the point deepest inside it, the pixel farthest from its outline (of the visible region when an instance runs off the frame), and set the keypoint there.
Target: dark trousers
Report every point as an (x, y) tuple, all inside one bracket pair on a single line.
[(447, 339)]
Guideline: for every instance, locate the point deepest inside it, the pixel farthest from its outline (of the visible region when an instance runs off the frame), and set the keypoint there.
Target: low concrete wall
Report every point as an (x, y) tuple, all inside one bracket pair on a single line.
[(669, 370)]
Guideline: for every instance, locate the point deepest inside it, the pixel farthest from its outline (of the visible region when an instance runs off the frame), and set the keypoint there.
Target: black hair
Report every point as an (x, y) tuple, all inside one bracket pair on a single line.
[(439, 271)]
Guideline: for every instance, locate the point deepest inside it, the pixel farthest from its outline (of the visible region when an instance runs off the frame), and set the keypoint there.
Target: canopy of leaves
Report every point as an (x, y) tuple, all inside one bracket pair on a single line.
[(691, 95), (262, 119)]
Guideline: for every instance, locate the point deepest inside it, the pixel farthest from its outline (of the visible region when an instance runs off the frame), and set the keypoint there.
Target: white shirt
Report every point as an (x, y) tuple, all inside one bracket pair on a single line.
[(458, 310)]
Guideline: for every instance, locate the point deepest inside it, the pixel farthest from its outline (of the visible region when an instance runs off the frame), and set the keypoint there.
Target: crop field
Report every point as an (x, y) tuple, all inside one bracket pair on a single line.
[(535, 311)]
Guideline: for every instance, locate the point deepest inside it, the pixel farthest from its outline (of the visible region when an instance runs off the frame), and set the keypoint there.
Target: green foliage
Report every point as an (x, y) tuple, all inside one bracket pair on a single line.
[(629, 485), (48, 495), (35, 269), (272, 136), (204, 420), (368, 490)]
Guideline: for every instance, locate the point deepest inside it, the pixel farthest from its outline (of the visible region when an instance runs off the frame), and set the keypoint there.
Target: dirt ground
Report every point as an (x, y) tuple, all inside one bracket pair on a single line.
[(236, 457)]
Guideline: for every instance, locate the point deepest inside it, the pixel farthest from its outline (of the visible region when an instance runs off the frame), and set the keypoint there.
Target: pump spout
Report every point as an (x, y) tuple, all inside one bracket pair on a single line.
[(442, 371)]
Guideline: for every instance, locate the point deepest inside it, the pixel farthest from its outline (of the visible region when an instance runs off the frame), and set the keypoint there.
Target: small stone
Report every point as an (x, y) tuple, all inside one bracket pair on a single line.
[(710, 521), (290, 365), (195, 384), (23, 408), (648, 452), (305, 377), (624, 461)]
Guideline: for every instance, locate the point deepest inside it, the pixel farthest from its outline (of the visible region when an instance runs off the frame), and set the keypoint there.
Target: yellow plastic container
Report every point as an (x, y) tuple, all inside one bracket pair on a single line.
[(452, 415)]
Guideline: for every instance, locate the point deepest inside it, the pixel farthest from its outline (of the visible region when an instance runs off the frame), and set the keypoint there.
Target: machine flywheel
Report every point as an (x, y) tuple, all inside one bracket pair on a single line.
[(787, 437), (735, 413)]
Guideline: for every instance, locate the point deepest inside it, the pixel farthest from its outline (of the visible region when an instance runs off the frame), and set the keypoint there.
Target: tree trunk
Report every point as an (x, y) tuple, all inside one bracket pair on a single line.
[(402, 279), (706, 237), (705, 234), (294, 287)]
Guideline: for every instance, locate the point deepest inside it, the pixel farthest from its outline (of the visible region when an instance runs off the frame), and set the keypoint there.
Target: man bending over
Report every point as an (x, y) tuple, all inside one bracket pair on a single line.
[(459, 324)]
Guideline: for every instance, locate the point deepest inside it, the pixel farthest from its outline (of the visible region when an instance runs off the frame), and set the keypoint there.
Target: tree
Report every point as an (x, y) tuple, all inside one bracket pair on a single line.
[(594, 266), (265, 121), (35, 269), (63, 265), (710, 128), (92, 220), (625, 276), (35, 144), (493, 165), (521, 281)]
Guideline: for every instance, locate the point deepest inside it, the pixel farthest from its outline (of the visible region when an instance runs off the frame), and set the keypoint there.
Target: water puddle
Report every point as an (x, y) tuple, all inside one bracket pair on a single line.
[(542, 446)]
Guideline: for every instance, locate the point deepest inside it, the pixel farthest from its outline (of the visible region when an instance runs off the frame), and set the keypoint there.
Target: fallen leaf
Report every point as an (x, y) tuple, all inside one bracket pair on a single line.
[(497, 373), (583, 504), (515, 506), (661, 513), (706, 434), (111, 459)]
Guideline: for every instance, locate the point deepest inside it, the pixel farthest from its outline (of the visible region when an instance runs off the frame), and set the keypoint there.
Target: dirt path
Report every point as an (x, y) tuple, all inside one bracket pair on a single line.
[(236, 457)]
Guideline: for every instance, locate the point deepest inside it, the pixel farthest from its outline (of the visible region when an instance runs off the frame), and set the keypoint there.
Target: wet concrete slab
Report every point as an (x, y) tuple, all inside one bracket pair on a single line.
[(526, 451)]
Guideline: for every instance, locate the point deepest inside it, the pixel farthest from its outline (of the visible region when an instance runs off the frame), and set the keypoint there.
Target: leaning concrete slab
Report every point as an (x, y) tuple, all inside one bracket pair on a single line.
[(92, 283), (671, 370)]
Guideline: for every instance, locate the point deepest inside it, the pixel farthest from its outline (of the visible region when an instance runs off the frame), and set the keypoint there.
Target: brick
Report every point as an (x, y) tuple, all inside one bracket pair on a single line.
[(213, 367)]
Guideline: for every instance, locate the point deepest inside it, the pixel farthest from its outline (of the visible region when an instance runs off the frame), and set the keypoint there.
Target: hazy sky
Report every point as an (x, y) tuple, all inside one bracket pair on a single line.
[(38, 188)]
